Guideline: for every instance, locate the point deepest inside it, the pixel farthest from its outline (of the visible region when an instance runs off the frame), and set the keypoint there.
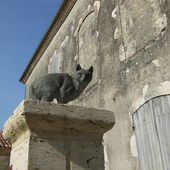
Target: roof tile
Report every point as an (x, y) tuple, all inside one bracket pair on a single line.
[(4, 145)]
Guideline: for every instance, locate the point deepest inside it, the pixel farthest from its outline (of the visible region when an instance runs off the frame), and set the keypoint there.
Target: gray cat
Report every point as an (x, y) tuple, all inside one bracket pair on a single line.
[(60, 86)]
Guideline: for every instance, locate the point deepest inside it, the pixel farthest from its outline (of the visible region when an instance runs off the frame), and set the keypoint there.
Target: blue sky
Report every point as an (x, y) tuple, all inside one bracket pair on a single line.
[(22, 26)]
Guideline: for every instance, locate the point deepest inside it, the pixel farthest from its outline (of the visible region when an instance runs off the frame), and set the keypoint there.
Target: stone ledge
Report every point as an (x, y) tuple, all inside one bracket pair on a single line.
[(38, 116)]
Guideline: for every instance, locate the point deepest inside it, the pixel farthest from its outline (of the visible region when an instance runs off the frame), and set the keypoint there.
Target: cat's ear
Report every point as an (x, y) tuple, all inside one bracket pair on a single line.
[(91, 69), (78, 67)]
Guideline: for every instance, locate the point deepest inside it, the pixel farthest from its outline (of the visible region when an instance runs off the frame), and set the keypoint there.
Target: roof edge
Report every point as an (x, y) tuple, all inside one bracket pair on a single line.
[(58, 20)]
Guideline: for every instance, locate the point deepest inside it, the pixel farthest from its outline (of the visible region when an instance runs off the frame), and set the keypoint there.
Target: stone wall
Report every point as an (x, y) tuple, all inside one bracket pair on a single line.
[(20, 152), (127, 42)]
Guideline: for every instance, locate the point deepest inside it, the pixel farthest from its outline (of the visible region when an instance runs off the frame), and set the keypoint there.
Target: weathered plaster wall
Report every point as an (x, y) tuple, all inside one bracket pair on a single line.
[(127, 42), (20, 152), (64, 43)]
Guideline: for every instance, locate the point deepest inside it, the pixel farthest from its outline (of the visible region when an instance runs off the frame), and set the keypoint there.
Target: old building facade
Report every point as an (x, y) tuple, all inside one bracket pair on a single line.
[(127, 42)]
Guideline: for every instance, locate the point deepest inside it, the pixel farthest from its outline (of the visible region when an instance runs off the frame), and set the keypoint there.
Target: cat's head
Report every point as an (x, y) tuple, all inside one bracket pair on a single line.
[(83, 75)]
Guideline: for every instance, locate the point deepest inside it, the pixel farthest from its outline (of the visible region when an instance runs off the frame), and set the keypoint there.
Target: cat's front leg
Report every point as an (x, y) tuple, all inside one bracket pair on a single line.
[(62, 93), (65, 94)]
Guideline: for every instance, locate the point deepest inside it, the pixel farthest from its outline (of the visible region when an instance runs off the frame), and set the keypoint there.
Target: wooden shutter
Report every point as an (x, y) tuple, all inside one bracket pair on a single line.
[(152, 129)]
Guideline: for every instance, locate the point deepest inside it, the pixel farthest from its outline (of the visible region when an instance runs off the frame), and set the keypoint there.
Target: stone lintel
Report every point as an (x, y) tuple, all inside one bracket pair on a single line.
[(38, 116)]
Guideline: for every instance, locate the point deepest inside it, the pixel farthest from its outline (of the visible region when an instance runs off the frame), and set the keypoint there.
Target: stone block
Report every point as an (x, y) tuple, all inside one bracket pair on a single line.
[(48, 136)]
